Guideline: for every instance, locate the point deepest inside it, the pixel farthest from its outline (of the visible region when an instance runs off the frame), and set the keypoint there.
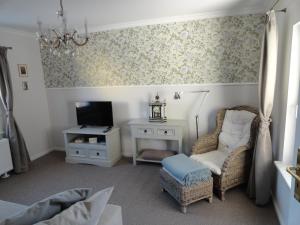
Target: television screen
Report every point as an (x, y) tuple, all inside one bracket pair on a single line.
[(94, 113)]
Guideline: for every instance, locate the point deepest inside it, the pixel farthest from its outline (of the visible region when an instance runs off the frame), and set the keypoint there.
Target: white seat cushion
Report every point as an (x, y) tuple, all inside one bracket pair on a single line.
[(8, 209), (235, 129), (112, 215), (214, 160), (235, 133)]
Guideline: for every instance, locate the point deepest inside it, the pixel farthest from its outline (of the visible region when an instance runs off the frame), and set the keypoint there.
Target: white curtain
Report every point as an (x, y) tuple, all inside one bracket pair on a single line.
[(259, 186)]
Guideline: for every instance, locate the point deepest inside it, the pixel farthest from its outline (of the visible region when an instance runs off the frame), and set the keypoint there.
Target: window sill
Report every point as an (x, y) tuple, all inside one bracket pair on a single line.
[(281, 167)]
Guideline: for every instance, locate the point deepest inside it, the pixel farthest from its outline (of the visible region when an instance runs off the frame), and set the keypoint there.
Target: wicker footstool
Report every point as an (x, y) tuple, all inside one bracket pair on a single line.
[(186, 195)]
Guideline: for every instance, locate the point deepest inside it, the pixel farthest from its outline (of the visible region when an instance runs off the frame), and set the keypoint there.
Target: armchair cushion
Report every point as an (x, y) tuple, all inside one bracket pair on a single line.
[(236, 129), (214, 160)]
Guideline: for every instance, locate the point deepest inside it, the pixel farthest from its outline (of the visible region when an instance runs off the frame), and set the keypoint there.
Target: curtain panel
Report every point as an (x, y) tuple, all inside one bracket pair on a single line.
[(17, 143), (259, 186)]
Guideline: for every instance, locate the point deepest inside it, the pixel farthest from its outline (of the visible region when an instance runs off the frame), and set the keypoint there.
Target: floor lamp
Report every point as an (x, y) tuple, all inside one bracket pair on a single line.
[(177, 96)]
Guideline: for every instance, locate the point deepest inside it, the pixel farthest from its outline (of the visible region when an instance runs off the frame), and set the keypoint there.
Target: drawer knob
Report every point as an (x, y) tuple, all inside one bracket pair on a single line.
[(98, 153), (77, 152), (145, 131), (166, 132)]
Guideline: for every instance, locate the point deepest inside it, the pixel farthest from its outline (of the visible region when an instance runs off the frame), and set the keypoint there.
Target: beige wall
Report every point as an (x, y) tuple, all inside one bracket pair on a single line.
[(30, 107)]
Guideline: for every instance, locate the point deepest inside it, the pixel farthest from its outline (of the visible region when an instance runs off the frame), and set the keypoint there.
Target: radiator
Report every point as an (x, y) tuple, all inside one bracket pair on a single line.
[(5, 157)]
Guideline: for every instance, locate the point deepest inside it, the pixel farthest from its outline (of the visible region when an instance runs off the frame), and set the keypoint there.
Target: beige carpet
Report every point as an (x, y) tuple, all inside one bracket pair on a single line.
[(136, 190)]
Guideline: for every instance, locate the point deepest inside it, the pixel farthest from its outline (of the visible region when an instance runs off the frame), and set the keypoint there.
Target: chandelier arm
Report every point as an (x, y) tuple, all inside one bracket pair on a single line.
[(56, 43), (78, 43), (42, 39), (61, 6), (55, 32), (73, 35)]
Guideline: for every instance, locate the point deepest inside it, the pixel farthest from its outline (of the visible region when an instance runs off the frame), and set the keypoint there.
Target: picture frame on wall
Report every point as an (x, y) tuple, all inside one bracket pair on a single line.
[(23, 70), (25, 86)]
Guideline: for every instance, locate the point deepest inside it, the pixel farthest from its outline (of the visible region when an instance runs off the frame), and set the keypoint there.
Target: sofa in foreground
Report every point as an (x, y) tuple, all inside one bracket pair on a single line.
[(74, 206), (112, 214)]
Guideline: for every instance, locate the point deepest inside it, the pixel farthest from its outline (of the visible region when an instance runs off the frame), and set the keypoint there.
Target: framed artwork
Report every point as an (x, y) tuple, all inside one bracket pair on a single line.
[(23, 71), (25, 86)]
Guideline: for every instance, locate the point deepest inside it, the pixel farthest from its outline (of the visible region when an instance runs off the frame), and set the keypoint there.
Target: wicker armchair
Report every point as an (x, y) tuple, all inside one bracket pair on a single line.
[(236, 168)]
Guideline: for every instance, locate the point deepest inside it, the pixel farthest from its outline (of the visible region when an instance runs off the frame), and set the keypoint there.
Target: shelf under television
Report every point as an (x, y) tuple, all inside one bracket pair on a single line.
[(140, 159), (100, 145)]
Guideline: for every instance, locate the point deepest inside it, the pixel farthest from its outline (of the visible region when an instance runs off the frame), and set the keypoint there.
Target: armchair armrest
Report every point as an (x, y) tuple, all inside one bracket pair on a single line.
[(209, 142), (236, 158), (205, 143)]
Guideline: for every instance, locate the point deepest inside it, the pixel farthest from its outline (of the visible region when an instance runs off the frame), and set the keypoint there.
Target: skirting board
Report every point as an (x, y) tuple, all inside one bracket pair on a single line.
[(40, 154), (58, 149), (279, 216)]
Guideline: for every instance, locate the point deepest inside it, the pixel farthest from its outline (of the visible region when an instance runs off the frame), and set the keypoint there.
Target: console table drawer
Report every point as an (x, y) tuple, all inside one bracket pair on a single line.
[(97, 154), (166, 132), (145, 131)]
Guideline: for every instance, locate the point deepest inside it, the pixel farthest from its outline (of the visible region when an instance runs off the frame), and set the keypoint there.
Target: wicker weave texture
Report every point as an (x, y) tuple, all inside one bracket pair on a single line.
[(236, 168), (186, 195)]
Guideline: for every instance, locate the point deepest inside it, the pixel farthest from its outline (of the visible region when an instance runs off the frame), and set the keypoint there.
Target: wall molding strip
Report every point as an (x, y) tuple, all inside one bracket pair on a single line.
[(158, 85)]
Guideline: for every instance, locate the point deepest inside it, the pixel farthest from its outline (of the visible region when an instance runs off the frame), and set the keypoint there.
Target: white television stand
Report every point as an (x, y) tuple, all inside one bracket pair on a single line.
[(106, 152)]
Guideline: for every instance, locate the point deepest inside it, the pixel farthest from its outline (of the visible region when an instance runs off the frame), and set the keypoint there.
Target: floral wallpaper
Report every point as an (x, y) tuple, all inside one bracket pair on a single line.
[(216, 50)]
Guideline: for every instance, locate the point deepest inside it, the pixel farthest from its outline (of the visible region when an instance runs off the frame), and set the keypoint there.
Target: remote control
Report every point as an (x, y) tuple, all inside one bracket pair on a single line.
[(107, 129)]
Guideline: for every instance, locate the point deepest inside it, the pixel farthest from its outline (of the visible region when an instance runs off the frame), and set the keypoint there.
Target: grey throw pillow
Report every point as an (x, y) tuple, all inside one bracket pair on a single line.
[(48, 207), (87, 212)]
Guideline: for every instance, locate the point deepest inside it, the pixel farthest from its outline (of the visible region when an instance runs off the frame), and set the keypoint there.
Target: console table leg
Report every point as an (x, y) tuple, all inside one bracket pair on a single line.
[(180, 150), (134, 148)]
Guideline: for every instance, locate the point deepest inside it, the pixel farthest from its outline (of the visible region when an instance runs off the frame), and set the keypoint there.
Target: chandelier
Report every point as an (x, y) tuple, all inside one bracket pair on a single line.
[(62, 38)]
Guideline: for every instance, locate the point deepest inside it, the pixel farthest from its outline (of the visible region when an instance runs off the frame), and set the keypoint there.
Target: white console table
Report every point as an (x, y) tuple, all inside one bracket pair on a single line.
[(106, 152), (143, 129)]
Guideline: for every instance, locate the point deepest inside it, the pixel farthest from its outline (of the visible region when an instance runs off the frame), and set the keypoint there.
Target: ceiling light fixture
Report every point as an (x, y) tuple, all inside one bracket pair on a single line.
[(61, 38)]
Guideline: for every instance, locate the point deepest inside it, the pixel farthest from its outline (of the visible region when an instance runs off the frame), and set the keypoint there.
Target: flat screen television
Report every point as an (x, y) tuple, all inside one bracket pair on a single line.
[(94, 113)]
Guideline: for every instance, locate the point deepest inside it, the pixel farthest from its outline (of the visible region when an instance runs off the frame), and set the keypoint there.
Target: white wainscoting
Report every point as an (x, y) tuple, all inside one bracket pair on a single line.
[(131, 102)]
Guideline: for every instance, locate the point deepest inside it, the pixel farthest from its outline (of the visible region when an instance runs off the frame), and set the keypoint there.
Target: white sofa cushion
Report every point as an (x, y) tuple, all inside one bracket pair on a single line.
[(214, 160), (87, 212), (48, 207), (112, 215), (235, 133), (8, 209), (235, 129)]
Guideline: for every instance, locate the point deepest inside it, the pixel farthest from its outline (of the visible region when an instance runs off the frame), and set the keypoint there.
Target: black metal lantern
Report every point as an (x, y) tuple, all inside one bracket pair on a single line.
[(157, 110)]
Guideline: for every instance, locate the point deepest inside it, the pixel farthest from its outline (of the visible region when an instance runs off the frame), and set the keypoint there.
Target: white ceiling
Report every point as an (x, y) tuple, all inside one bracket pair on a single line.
[(23, 14)]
